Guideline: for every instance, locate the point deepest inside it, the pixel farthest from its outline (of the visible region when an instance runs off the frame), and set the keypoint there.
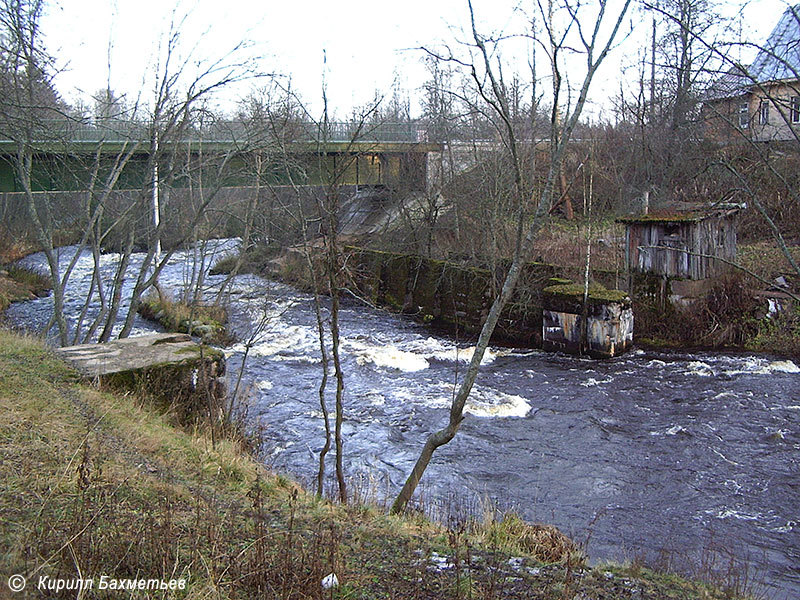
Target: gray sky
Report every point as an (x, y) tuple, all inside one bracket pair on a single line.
[(368, 44)]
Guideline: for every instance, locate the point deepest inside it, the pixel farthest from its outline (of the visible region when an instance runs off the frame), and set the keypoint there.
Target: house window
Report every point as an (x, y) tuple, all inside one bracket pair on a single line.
[(744, 118), (795, 109), (763, 113)]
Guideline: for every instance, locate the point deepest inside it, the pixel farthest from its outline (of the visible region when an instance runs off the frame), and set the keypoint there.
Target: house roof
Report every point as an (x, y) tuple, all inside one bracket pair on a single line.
[(777, 59), (736, 82)]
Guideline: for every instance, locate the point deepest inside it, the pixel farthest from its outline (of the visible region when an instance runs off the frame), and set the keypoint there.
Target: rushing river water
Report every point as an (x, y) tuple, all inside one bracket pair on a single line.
[(651, 454)]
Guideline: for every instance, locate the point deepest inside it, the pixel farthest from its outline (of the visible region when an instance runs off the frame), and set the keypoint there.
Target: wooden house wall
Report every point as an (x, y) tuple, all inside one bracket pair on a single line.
[(712, 237)]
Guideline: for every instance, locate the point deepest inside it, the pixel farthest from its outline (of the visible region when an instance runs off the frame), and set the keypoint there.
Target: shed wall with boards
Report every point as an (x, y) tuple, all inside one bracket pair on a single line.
[(688, 245)]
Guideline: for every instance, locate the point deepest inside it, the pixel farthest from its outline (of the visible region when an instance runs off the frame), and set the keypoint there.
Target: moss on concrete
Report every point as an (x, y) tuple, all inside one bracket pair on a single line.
[(597, 293)]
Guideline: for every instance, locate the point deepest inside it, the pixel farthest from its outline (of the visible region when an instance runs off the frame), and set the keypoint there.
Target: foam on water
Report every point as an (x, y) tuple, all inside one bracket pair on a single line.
[(656, 363), (431, 348), (414, 355), (290, 341), (592, 382), (491, 403), (699, 368), (790, 525), (748, 365), (387, 356), (784, 366), (482, 401), (671, 431), (730, 513)]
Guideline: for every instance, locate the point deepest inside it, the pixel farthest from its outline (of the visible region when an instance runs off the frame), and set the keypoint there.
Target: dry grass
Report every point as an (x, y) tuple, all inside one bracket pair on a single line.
[(766, 259), (98, 484), (17, 283), (13, 247), (563, 243), (204, 320)]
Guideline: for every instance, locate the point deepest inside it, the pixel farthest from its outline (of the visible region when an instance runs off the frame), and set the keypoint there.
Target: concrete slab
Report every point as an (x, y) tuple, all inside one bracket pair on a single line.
[(134, 353)]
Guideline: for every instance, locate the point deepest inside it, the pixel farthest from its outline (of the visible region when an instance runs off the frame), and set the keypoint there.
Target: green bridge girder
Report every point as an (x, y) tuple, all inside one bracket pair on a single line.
[(65, 163)]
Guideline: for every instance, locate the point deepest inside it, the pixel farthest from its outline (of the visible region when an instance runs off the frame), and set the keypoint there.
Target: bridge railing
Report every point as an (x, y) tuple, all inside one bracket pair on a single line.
[(235, 132)]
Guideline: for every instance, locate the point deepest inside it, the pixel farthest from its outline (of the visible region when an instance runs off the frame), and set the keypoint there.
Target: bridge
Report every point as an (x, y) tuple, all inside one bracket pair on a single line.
[(360, 153)]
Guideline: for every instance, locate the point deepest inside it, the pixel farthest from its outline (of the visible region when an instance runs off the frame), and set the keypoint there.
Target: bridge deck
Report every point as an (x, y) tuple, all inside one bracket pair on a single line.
[(295, 138)]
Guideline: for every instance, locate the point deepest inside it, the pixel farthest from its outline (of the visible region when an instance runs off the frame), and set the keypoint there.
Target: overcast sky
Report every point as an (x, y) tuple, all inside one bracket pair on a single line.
[(369, 45)]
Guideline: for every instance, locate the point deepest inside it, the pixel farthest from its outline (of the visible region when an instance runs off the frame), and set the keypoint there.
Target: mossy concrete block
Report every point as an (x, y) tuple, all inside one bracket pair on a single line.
[(170, 368), (570, 297), (608, 331), (135, 353)]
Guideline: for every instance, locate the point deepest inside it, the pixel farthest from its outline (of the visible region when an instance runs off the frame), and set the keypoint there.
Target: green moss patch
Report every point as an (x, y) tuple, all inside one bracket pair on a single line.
[(569, 297)]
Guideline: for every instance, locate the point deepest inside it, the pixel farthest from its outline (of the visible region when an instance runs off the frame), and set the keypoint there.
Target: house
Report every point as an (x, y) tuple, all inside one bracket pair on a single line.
[(684, 240), (760, 102)]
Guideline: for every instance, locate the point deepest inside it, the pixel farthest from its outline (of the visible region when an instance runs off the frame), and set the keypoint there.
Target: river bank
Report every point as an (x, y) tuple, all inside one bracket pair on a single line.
[(19, 284), (142, 499), (645, 439)]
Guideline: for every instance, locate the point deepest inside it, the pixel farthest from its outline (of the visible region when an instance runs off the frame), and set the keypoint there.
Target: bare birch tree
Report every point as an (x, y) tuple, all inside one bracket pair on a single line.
[(596, 41), (30, 116)]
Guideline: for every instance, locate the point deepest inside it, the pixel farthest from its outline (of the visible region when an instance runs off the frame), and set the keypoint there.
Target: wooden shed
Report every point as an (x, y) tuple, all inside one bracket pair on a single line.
[(682, 241)]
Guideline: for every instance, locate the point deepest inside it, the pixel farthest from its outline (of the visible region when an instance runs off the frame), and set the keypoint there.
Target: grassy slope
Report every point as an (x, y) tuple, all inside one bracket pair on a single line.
[(20, 284), (99, 484)]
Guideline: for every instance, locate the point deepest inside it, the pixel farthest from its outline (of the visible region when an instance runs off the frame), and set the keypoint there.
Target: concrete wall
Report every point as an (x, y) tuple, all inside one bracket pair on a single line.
[(608, 331), (457, 298)]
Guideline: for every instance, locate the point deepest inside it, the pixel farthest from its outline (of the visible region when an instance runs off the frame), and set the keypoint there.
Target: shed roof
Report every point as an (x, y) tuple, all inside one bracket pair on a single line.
[(684, 212)]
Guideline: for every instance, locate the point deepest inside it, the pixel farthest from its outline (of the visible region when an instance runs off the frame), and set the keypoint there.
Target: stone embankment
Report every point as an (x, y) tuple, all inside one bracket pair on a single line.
[(458, 298)]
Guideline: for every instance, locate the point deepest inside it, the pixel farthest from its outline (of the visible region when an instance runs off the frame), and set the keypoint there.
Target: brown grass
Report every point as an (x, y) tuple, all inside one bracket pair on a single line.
[(204, 320), (17, 283), (767, 260), (98, 484)]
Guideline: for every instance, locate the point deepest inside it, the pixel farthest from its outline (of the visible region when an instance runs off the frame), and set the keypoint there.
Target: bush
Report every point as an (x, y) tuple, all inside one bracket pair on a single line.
[(779, 334), (729, 315)]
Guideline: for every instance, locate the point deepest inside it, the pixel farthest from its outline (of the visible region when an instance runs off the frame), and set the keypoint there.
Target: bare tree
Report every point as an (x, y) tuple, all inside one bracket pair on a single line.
[(30, 115), (595, 48)]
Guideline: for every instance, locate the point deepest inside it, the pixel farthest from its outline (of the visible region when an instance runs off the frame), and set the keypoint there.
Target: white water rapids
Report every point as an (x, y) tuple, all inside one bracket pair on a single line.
[(650, 454)]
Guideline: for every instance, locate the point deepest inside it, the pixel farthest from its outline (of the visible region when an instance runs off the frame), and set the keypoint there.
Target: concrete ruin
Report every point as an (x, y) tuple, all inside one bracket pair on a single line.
[(170, 368), (608, 315)]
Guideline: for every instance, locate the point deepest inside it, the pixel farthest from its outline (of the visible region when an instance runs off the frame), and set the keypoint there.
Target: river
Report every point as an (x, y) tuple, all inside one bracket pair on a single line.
[(666, 456)]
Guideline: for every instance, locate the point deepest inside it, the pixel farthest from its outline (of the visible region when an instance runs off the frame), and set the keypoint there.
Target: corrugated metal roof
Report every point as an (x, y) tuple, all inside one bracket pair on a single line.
[(735, 82), (779, 58)]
